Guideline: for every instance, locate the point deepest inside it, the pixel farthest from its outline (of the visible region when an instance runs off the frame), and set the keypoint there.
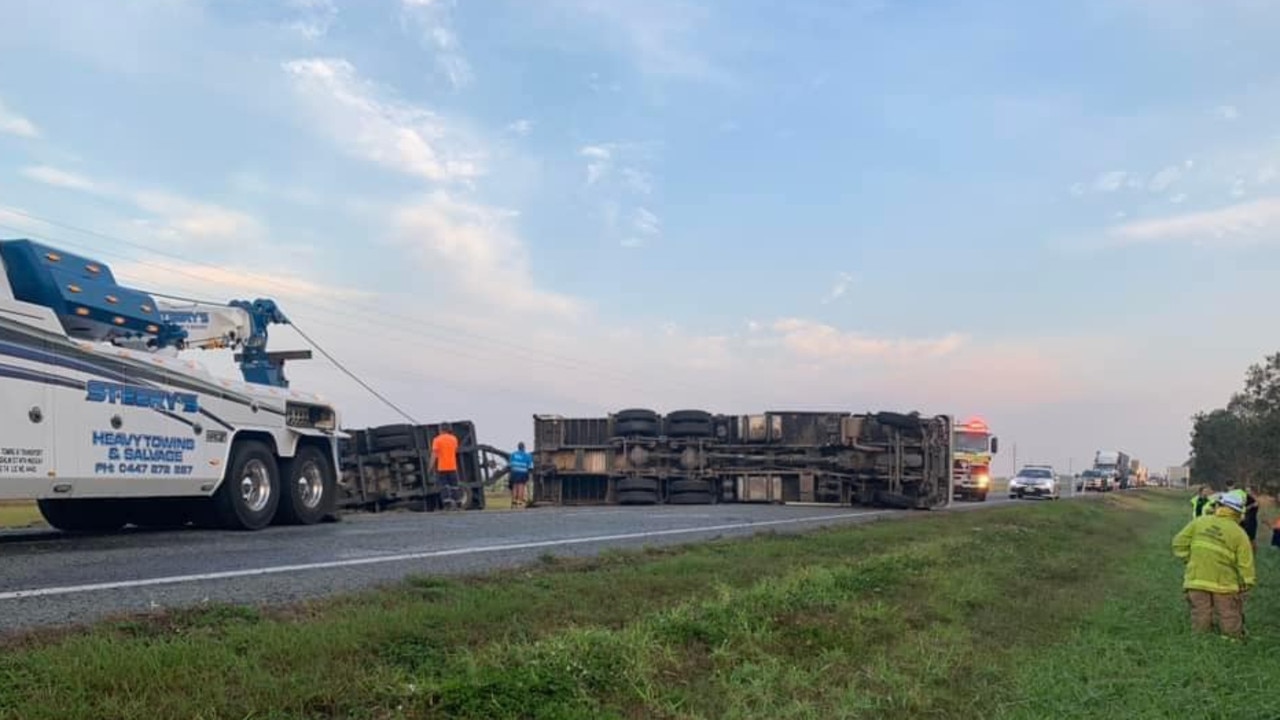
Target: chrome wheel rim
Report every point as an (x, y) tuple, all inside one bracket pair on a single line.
[(310, 485), (255, 486)]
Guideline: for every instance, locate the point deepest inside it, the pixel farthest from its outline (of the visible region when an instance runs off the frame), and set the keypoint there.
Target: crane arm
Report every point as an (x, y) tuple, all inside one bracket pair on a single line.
[(91, 305)]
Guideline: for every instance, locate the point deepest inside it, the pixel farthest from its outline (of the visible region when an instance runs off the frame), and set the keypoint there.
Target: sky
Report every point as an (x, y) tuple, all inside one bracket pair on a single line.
[(1060, 216)]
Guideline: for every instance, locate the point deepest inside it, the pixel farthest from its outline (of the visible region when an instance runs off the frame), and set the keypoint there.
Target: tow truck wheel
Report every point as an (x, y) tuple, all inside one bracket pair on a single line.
[(82, 515), (250, 492), (308, 487)]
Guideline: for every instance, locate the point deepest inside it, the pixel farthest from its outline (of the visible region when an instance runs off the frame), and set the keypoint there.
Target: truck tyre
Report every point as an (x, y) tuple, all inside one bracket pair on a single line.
[(691, 498), (637, 484), (307, 489), (690, 423), (899, 420), (679, 487), (88, 516), (250, 491), (637, 428), (637, 497), (644, 414), (689, 429)]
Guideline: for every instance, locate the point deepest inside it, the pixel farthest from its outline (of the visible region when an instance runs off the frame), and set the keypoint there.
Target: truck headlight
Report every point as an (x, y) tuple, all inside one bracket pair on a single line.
[(983, 480)]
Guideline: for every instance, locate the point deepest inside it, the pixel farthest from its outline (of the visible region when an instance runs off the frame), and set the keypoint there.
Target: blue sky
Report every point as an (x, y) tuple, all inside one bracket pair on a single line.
[(1058, 215)]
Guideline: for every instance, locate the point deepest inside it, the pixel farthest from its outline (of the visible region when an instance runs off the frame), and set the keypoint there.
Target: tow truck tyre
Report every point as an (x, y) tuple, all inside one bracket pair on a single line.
[(250, 493), (308, 488), (82, 515)]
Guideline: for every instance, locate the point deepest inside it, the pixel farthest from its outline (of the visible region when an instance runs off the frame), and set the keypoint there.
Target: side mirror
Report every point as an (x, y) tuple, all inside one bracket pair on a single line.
[(995, 445)]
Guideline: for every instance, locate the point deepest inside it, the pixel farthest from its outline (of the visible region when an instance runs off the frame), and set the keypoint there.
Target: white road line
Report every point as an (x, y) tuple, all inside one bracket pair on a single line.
[(328, 565)]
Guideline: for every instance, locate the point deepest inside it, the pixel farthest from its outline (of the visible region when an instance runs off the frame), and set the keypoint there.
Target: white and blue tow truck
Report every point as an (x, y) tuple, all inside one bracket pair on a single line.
[(104, 424)]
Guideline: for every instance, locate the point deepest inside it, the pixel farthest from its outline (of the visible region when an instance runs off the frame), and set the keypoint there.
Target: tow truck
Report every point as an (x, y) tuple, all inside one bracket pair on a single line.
[(974, 445), (103, 424)]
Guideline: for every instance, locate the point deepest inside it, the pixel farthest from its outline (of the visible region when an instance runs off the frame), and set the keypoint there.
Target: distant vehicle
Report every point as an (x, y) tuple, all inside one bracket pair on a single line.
[(1097, 480), (1116, 463), (1035, 481), (973, 445)]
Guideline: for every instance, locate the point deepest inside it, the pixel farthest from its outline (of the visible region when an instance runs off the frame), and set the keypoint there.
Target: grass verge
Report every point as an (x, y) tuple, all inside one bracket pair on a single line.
[(1134, 657), (944, 616), (23, 514)]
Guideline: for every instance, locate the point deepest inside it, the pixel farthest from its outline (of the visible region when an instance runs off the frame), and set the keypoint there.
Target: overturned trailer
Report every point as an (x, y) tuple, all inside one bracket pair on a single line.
[(388, 466), (639, 457)]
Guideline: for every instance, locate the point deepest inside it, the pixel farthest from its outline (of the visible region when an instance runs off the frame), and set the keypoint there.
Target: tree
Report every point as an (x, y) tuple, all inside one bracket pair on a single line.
[(1241, 442)]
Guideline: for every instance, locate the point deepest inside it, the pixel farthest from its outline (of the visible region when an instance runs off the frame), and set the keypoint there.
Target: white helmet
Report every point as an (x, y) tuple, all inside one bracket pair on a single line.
[(1233, 500)]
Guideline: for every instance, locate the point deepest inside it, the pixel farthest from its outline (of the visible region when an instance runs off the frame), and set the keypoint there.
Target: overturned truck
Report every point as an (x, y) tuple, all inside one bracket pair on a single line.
[(387, 467), (639, 457)]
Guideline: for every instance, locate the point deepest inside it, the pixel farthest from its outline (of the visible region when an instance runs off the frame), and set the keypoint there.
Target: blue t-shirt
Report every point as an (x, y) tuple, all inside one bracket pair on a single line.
[(521, 462)]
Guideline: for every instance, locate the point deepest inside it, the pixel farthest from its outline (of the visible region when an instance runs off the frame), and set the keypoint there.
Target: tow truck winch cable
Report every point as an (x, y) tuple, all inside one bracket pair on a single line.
[(318, 348)]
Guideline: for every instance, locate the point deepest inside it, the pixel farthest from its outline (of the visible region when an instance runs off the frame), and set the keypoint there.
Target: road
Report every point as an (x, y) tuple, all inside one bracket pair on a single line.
[(47, 578)]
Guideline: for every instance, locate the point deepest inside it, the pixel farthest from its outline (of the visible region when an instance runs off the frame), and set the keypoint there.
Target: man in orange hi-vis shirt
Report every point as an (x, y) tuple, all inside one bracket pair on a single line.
[(444, 460)]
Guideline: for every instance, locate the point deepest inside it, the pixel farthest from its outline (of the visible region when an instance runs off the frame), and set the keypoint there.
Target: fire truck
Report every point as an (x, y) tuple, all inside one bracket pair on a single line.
[(974, 446)]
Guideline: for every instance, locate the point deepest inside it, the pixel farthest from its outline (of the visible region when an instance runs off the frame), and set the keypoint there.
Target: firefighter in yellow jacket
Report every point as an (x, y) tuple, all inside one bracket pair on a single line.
[(1220, 570)]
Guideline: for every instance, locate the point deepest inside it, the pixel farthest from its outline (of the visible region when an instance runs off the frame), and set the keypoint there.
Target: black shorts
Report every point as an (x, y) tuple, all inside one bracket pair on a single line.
[(449, 478), (519, 478)]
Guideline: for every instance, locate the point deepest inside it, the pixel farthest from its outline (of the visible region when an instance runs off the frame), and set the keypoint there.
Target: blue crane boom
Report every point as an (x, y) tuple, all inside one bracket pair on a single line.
[(91, 305)]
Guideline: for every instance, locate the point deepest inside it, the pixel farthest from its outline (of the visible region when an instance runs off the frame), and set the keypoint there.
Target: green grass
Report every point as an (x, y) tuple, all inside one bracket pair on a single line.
[(19, 515), (1009, 612), (1134, 657)]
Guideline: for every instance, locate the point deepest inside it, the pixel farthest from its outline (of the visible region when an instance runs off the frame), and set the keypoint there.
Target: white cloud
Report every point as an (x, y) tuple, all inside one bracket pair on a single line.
[(368, 123), (1227, 112), (315, 17), (1254, 221), (435, 23), (59, 178), (184, 219), (1111, 181), (1165, 178), (172, 217), (647, 223), (838, 290), (664, 38), (814, 341), (631, 180), (599, 158), (475, 247), (521, 127), (280, 281), (12, 123)]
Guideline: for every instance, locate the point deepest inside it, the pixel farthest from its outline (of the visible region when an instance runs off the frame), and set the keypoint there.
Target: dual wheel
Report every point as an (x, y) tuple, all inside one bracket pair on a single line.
[(639, 422), (258, 489), (682, 491)]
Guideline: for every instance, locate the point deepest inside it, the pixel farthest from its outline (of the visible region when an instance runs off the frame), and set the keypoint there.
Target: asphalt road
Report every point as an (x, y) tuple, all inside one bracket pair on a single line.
[(47, 578)]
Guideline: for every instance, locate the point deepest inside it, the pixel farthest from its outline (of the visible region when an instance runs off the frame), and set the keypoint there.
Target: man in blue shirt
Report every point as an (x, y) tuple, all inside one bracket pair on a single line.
[(521, 464)]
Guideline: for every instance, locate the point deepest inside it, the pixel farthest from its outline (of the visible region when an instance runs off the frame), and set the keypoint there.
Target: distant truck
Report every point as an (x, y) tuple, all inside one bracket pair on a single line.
[(692, 457), (1096, 481), (1115, 464), (971, 469)]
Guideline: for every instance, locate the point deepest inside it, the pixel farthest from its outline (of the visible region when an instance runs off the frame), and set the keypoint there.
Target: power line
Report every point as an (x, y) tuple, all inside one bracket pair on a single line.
[(548, 359), (536, 356)]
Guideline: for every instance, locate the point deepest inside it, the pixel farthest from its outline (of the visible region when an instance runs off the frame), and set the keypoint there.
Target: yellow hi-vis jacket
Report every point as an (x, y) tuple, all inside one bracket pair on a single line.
[(1218, 554)]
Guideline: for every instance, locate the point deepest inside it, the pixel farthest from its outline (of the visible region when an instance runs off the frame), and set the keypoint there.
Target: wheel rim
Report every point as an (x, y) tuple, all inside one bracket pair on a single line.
[(255, 486), (310, 485)]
